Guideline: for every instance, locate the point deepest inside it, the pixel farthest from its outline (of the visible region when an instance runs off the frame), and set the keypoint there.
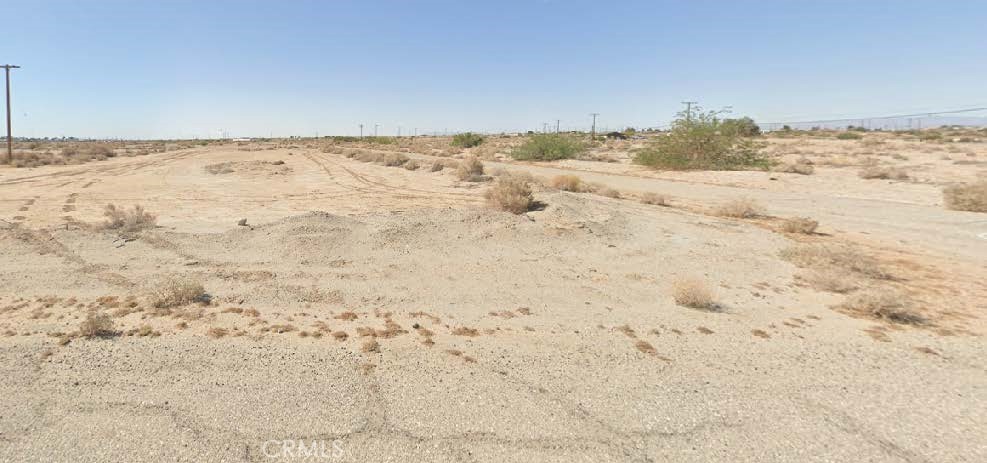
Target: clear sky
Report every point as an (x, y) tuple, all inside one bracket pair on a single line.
[(167, 69)]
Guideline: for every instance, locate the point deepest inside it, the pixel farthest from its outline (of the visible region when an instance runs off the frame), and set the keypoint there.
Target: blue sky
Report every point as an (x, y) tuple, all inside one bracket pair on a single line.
[(166, 69)]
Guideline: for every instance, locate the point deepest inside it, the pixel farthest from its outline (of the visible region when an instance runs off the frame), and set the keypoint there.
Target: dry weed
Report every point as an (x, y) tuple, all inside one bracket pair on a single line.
[(134, 220), (510, 194), (972, 197), (887, 173), (743, 208), (694, 293), (470, 169), (566, 183), (178, 292), (883, 305), (654, 199), (802, 225), (96, 325)]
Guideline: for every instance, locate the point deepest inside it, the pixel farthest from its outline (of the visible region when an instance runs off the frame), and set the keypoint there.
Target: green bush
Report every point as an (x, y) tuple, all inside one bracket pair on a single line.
[(744, 127), (700, 141), (466, 140), (548, 147), (849, 136), (930, 135)]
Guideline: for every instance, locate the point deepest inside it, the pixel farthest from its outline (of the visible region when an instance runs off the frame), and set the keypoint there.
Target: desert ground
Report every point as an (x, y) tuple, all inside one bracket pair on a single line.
[(390, 314)]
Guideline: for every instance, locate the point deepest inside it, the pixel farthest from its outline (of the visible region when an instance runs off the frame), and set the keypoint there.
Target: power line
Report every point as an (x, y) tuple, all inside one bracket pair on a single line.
[(899, 116)]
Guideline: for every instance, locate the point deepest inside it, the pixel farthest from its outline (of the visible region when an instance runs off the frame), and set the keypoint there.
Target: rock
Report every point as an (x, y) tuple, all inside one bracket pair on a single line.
[(242, 222)]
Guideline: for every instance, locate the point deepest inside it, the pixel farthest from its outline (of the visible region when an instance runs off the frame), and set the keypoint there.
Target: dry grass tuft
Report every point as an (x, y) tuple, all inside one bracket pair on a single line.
[(370, 345), (346, 316), (646, 347), (340, 335), (412, 165), (217, 333), (971, 197), (178, 292), (802, 225), (510, 194), (437, 166), (694, 293), (97, 325), (887, 173), (470, 170), (883, 305), (134, 220), (609, 192), (830, 279), (654, 199), (801, 168), (394, 159), (464, 331), (743, 208), (839, 258), (567, 183)]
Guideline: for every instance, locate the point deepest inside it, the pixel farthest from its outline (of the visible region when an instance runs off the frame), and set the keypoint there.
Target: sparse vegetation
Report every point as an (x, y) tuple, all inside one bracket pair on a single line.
[(883, 305), (654, 199), (833, 257), (972, 197), (802, 225), (134, 220), (548, 147), (887, 173), (699, 141), (743, 208), (849, 136), (800, 167), (470, 170), (96, 325), (567, 183), (178, 292), (466, 140), (510, 194), (394, 159), (693, 293)]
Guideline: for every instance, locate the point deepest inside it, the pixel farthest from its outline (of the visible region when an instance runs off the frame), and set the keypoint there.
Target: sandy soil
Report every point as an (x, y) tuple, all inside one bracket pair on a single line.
[(478, 335)]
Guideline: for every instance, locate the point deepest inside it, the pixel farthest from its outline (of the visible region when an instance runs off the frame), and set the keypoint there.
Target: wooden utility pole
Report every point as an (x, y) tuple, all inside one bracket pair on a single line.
[(592, 132), (10, 139)]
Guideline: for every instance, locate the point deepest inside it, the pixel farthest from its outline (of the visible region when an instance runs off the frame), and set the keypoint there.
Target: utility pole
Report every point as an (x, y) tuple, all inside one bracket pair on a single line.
[(688, 109), (544, 127), (592, 132), (361, 130), (557, 125), (10, 140), (375, 129)]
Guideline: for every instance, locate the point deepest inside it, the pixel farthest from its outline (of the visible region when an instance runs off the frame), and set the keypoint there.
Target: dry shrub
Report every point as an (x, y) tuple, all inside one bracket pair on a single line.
[(412, 165), (437, 166), (394, 159), (971, 197), (370, 345), (830, 279), (368, 156), (887, 173), (96, 325), (217, 333), (694, 293), (654, 199), (510, 194), (464, 331), (743, 208), (801, 168), (609, 192), (567, 183), (178, 292), (883, 305), (646, 347), (128, 221), (470, 169), (803, 225), (839, 258)]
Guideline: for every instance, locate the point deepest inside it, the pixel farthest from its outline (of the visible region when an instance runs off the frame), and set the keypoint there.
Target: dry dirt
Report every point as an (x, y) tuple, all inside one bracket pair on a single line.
[(391, 314)]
